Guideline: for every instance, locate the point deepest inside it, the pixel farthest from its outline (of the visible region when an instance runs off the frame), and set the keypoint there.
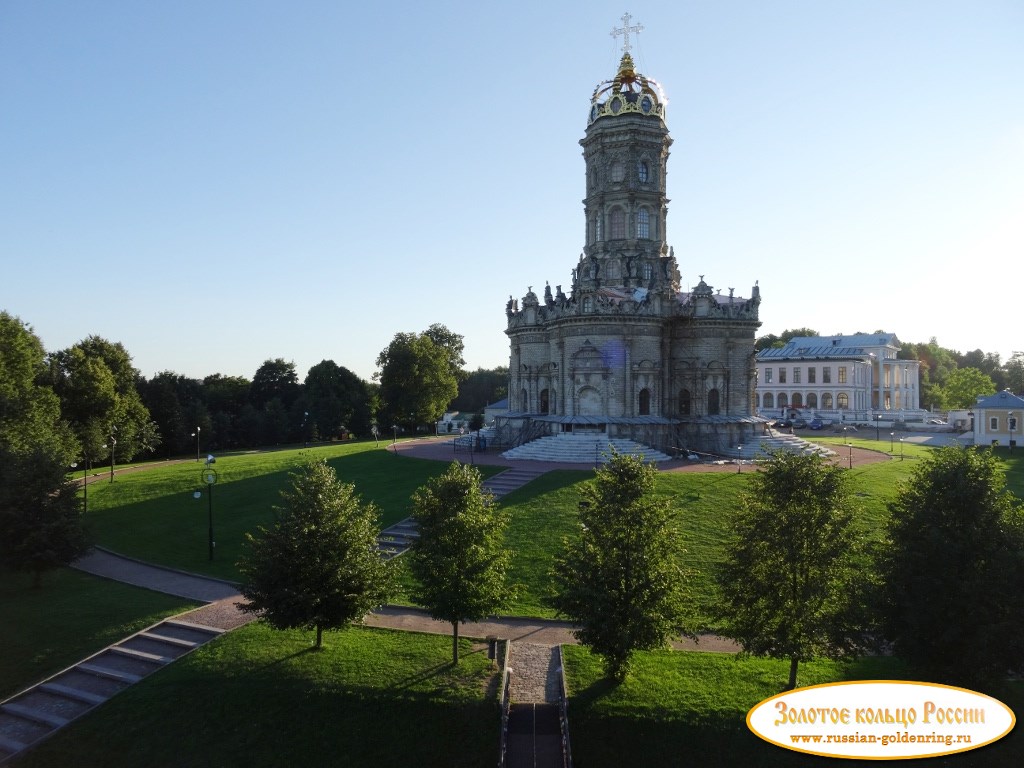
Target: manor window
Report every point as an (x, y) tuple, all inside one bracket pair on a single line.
[(769, 401), (798, 400), (826, 375), (812, 400), (826, 401), (796, 375), (782, 375), (812, 375), (767, 375), (843, 400), (842, 374), (783, 400)]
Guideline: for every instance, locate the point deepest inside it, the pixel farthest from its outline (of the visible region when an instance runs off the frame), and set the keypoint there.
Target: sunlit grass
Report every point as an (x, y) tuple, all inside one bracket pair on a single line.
[(71, 616), (258, 697)]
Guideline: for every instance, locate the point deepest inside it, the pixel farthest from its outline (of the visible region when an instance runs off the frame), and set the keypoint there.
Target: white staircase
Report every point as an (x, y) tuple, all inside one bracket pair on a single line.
[(778, 441), (581, 448)]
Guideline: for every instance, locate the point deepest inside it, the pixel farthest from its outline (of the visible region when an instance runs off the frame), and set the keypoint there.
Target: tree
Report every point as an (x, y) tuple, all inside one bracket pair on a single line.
[(416, 379), (481, 388), (790, 584), (40, 517), (451, 344), (318, 567), (953, 569), (274, 379), (620, 580), (335, 398), (459, 561), (97, 386), (1014, 368), (964, 385)]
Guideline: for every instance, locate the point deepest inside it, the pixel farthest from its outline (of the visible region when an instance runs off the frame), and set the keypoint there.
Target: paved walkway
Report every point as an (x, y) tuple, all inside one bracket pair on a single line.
[(222, 596)]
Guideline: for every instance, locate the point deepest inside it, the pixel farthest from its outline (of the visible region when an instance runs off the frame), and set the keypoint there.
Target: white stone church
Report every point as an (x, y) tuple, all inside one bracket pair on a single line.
[(625, 352)]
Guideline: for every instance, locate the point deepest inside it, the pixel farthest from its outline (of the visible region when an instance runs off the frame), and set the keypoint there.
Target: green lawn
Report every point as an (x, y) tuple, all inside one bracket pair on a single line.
[(682, 708), (152, 514), (70, 617), (257, 697)]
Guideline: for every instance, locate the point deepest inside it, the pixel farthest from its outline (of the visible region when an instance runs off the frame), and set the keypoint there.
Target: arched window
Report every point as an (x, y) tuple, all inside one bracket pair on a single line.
[(643, 224), (684, 402), (588, 304), (525, 402), (812, 400), (544, 401), (798, 400), (618, 224), (645, 402), (769, 400), (783, 402), (842, 401), (826, 401), (713, 407)]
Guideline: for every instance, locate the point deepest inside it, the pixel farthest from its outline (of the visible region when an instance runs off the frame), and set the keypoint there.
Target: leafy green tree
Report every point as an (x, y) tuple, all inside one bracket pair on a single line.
[(416, 380), (790, 585), (99, 397), (620, 579), (459, 561), (953, 570), (452, 346), (274, 379), (481, 388), (318, 566), (1014, 368), (964, 385), (335, 398), (40, 517)]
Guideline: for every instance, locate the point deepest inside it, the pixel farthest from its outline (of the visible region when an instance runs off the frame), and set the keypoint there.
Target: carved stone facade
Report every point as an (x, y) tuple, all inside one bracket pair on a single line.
[(626, 351)]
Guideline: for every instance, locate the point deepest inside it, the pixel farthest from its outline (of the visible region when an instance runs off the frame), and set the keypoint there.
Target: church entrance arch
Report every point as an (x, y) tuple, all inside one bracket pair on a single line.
[(544, 403), (589, 400)]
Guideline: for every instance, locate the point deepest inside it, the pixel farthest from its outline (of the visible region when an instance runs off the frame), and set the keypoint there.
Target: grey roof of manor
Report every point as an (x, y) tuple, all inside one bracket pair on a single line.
[(837, 346), (1004, 399)]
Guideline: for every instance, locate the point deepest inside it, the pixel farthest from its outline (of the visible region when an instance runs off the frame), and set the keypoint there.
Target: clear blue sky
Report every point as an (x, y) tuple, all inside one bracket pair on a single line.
[(218, 183)]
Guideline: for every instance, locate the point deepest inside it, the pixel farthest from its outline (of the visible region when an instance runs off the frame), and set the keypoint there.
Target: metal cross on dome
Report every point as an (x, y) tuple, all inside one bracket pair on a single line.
[(625, 29)]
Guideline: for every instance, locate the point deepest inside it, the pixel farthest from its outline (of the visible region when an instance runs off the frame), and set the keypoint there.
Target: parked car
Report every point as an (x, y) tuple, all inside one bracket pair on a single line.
[(816, 424), (839, 427), (799, 423), (782, 424)]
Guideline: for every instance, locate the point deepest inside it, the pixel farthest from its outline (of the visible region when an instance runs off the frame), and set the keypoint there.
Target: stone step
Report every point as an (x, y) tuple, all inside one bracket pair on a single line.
[(78, 694), (56, 708), (111, 674), (140, 655), (35, 715)]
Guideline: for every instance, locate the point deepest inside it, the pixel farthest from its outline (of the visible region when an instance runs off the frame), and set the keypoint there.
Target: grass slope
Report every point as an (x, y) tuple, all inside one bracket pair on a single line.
[(70, 617), (682, 708), (152, 515), (257, 697)]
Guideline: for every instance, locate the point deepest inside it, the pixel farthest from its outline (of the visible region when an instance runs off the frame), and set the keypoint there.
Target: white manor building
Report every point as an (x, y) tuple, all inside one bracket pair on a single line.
[(855, 378)]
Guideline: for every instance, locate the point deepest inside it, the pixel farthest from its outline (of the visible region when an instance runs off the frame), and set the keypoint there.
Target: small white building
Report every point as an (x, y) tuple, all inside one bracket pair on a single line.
[(856, 378), (998, 419)]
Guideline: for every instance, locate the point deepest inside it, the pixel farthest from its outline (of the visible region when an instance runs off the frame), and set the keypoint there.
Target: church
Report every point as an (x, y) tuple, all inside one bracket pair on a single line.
[(625, 352)]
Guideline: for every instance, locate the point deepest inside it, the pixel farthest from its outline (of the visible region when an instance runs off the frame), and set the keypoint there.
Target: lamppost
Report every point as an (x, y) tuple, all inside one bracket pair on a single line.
[(209, 477), (892, 435), (394, 442), (901, 449), (113, 448), (850, 446), (877, 417), (196, 436), (85, 483), (1011, 422), (739, 462)]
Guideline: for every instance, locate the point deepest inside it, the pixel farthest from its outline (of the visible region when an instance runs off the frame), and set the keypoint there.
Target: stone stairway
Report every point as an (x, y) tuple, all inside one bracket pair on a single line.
[(534, 738), (39, 711), (397, 539), (777, 441), (581, 448)]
